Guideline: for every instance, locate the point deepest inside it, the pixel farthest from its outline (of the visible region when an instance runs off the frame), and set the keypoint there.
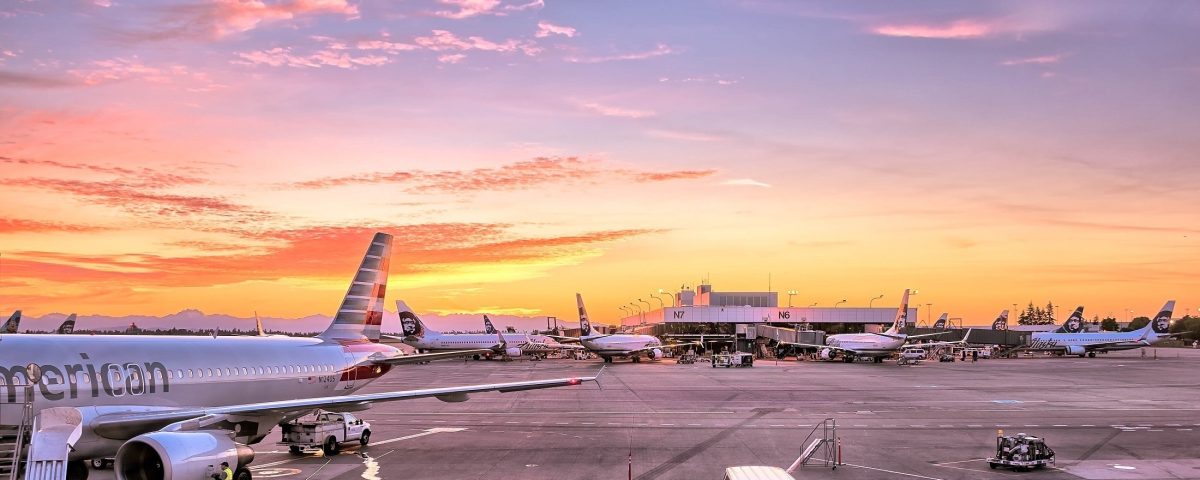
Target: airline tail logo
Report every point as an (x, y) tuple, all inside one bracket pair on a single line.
[(1074, 323), (941, 321), (361, 312), (901, 322), (1001, 322), (13, 323), (585, 327), (410, 324), (1162, 321), (67, 326), (487, 325)]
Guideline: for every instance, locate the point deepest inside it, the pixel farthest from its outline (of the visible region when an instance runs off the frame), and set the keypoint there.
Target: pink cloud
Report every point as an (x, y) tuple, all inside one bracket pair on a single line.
[(658, 51), (442, 40), (534, 5), (610, 111), (957, 29), (1042, 60), (467, 8), (283, 56), (684, 135), (386, 46), (546, 29), (235, 16), (454, 58)]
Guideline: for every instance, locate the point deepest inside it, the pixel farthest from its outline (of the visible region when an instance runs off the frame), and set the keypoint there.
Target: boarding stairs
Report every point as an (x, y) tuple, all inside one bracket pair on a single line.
[(823, 450), (36, 447)]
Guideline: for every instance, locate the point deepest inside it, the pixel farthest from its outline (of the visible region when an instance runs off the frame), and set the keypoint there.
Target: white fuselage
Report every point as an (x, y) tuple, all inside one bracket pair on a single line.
[(112, 373), (1114, 340), (620, 345), (441, 342), (866, 344)]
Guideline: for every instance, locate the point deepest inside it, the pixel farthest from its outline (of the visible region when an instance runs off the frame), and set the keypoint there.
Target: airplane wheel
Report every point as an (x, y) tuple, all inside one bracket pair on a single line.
[(475, 357), (242, 474), (100, 463), (330, 447), (993, 465), (1091, 354), (365, 438), (77, 470)]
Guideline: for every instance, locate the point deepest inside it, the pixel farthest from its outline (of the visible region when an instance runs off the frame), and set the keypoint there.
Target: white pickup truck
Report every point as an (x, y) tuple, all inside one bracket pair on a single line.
[(327, 431)]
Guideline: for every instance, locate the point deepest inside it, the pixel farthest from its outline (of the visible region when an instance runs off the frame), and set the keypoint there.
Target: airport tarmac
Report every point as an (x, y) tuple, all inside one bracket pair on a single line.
[(1118, 416)]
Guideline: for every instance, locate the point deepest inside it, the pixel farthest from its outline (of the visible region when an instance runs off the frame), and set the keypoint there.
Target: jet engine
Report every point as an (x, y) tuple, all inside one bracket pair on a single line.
[(172, 455), (512, 351), (1076, 350), (654, 353), (827, 354)]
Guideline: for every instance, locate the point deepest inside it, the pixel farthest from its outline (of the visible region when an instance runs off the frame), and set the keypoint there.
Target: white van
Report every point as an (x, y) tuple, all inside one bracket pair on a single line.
[(757, 473)]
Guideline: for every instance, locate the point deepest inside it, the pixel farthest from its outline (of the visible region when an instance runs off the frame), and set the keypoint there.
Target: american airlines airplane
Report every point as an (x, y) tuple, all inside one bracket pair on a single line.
[(611, 345), (1088, 343), (876, 346), (176, 407), (13, 323)]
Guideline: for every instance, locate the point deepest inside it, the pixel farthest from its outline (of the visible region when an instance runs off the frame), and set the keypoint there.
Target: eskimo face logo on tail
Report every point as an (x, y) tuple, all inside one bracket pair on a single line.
[(410, 325), (1075, 323), (1001, 322), (1162, 322), (584, 325)]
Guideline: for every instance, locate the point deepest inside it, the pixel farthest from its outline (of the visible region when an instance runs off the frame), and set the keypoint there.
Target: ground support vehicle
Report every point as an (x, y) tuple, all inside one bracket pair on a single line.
[(732, 360), (327, 431), (1021, 452)]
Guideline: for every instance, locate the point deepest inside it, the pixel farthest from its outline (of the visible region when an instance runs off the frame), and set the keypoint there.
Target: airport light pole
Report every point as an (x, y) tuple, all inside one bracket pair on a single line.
[(928, 312), (662, 306), (839, 303), (813, 305), (648, 309), (871, 304), (668, 294), (791, 293), (639, 310)]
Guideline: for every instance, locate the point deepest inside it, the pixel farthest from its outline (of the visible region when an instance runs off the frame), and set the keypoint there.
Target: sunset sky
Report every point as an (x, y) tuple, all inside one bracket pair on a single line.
[(235, 156)]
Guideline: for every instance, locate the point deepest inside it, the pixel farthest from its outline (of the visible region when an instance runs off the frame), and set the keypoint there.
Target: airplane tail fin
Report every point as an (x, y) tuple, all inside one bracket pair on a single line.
[(1161, 323), (941, 321), (1001, 322), (361, 313), (410, 324), (67, 326), (13, 323), (585, 326), (487, 325), (901, 322), (1074, 323)]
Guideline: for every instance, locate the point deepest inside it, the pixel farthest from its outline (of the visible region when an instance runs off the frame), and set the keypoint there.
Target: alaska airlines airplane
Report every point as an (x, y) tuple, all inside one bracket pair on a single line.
[(67, 326), (1088, 343), (494, 344), (941, 321), (1001, 322), (176, 407), (876, 346), (611, 345), (13, 323)]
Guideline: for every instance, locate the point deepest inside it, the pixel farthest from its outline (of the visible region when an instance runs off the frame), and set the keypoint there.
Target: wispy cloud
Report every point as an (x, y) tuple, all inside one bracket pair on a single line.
[(684, 135), (658, 51), (610, 111), (222, 18), (546, 29), (745, 182), (452, 58), (34, 80), (515, 176), (958, 29), (443, 40), (533, 5), (17, 225), (283, 56), (467, 8), (1039, 60)]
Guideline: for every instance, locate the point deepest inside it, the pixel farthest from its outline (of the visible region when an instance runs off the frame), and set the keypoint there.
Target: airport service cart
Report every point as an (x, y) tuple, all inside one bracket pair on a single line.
[(1021, 452), (732, 360), (327, 431)]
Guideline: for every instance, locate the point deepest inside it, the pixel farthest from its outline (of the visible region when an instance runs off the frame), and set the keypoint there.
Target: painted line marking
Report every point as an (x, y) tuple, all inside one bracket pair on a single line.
[(891, 471), (974, 426), (693, 424), (666, 424), (1087, 425), (418, 435), (1059, 425)]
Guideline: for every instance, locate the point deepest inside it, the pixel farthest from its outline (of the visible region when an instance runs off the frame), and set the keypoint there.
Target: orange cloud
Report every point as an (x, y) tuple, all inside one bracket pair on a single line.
[(954, 30), (15, 225)]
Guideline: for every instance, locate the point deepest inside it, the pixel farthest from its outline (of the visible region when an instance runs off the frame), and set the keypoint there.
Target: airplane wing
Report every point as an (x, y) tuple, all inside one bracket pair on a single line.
[(813, 345), (120, 425), (562, 339), (428, 357)]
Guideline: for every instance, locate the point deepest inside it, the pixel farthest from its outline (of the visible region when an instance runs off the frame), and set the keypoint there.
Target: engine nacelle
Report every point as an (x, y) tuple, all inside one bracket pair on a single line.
[(654, 353), (512, 351), (1076, 350), (828, 353), (179, 455)]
